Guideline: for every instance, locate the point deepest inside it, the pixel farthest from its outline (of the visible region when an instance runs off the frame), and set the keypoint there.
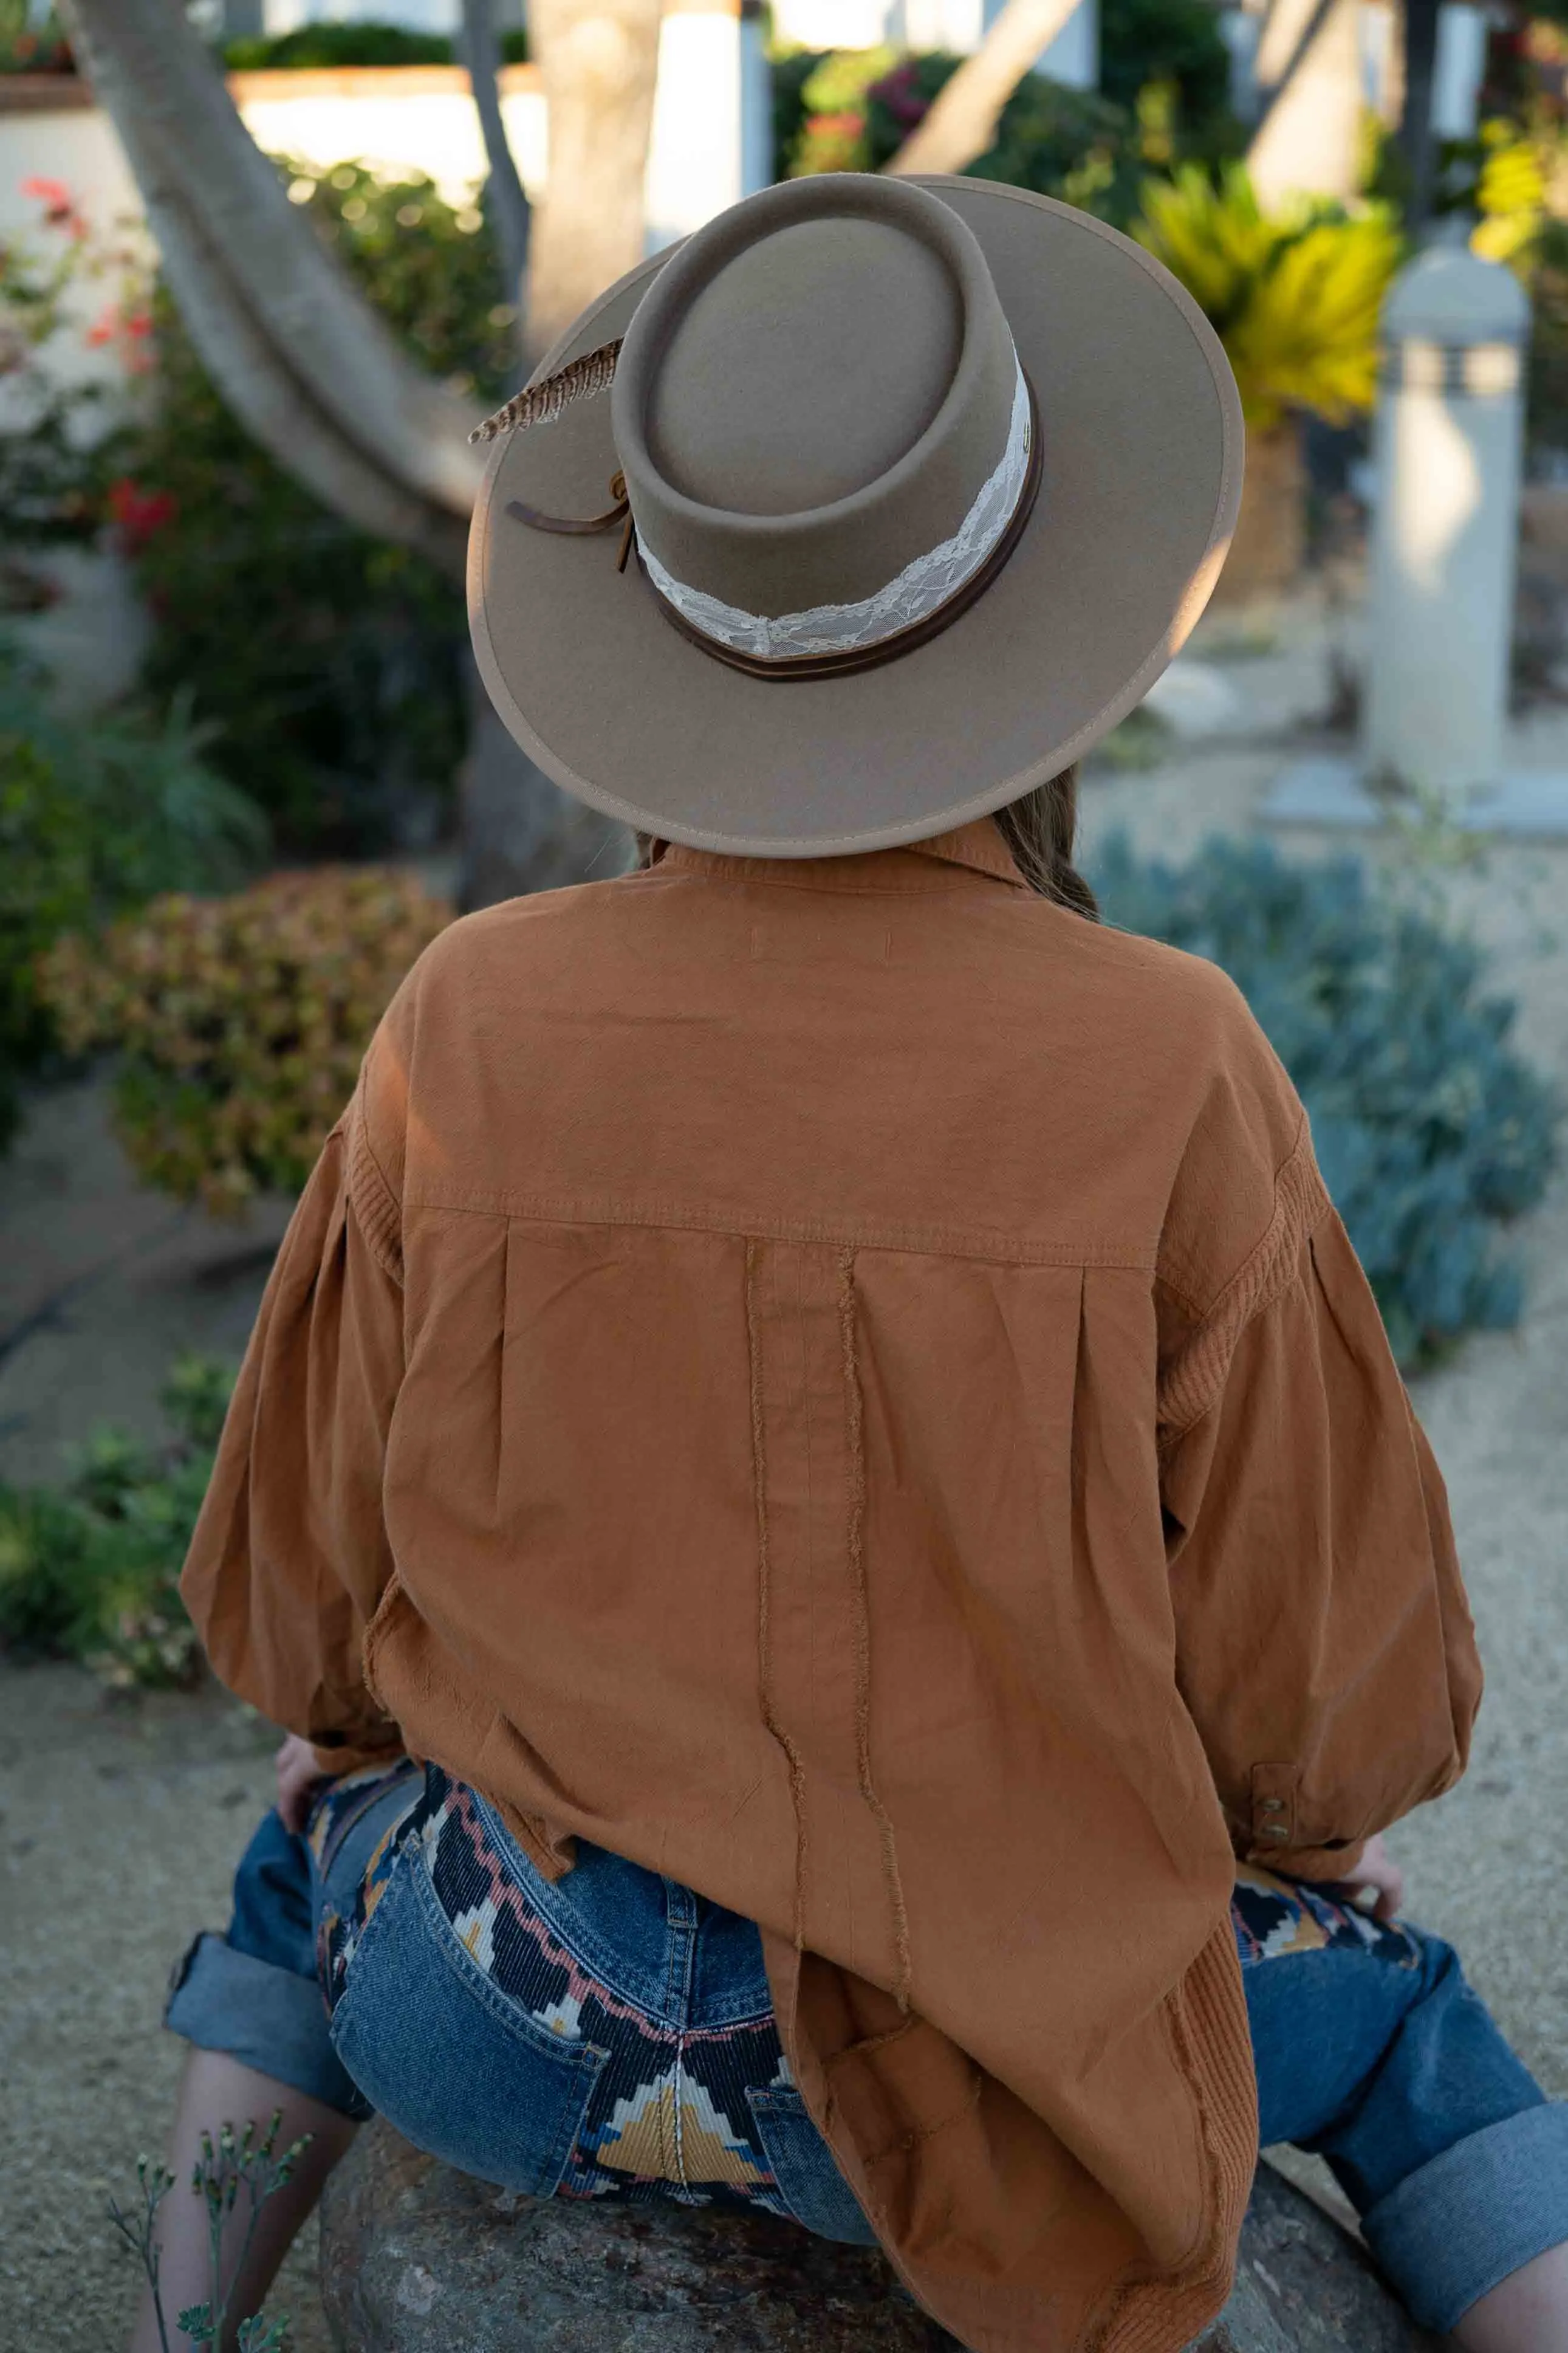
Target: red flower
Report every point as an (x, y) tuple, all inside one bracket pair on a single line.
[(139, 514), (131, 329), (60, 209)]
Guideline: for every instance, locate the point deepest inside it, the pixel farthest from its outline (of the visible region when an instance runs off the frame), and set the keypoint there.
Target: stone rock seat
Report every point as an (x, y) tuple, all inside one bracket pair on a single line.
[(418, 2259)]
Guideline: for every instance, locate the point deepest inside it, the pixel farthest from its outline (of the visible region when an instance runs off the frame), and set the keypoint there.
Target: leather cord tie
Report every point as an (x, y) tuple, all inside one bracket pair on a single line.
[(581, 526)]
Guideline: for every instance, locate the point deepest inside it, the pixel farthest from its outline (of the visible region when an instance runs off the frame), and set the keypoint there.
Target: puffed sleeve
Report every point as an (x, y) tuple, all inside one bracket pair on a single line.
[(289, 1557), (1324, 1645)]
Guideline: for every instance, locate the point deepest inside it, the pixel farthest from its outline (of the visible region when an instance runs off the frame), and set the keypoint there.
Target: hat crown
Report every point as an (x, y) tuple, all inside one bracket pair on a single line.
[(773, 397), (813, 393)]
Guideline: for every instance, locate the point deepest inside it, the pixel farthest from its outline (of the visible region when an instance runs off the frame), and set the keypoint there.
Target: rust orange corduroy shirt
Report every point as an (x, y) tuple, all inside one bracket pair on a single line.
[(840, 1381)]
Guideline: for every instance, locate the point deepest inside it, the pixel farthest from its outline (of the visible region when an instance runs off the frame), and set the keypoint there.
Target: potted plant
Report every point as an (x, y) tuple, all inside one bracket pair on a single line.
[(1294, 297)]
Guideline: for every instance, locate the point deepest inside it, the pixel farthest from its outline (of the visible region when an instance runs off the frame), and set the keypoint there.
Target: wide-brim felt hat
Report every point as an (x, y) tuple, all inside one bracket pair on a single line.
[(868, 508)]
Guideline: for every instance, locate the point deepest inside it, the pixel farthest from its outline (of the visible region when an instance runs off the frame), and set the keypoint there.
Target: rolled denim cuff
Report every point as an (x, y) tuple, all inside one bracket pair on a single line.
[(1459, 2224), (264, 2016)]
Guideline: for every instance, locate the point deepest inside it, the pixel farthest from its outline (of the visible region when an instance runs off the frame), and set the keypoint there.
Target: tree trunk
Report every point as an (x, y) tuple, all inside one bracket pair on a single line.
[(520, 831), (599, 62), (1310, 137), (962, 123), (315, 376), (508, 199), (305, 362)]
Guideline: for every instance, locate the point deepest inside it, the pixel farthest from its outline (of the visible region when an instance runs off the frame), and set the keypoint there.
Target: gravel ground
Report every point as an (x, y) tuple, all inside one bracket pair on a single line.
[(119, 1828), (120, 1824)]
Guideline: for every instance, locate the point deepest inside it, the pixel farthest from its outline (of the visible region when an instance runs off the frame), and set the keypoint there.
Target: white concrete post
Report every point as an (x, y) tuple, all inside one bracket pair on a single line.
[(1447, 447), (713, 130), (1458, 70)]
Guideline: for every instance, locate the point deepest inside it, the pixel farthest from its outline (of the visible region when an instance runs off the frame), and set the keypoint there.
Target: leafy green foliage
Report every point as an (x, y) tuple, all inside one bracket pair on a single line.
[(366, 43), (1163, 96), (834, 98), (240, 1023), (1177, 43), (1294, 296), (852, 109), (1070, 144), (32, 41), (329, 663), (789, 71), (90, 1569), (1430, 1132), (96, 814)]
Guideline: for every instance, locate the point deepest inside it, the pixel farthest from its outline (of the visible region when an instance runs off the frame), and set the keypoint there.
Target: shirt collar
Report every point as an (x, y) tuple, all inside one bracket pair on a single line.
[(978, 846)]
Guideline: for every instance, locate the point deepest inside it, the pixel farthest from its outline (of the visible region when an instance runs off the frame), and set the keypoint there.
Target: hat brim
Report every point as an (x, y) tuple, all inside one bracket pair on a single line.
[(1141, 436)]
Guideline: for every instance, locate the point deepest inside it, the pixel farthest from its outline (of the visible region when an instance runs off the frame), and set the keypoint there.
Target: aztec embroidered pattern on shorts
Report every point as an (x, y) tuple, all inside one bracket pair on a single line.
[(1272, 1917), (668, 2117)]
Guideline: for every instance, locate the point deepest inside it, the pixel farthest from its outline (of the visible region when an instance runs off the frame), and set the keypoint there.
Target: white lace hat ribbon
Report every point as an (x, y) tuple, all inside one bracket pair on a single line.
[(924, 585)]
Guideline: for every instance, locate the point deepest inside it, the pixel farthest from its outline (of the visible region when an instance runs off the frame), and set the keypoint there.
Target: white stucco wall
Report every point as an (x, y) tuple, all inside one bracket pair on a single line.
[(711, 135), (421, 119)]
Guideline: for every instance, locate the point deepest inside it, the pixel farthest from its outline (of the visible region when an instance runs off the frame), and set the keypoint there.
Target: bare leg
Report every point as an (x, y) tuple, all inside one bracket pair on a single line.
[(1526, 2313), (216, 2089)]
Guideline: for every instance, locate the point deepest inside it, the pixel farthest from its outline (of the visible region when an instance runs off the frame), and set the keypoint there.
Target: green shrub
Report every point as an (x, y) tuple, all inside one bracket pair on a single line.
[(1431, 1133), (1177, 43), (32, 40), (96, 814), (852, 109), (330, 664), (90, 1569), (1070, 144), (362, 43), (239, 1023), (832, 136), (789, 71)]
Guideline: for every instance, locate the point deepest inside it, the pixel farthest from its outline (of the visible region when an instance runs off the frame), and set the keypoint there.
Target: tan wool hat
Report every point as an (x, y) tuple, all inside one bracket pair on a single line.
[(862, 512)]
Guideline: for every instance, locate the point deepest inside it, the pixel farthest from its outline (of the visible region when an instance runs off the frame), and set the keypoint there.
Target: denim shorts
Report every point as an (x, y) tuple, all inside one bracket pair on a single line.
[(611, 2034)]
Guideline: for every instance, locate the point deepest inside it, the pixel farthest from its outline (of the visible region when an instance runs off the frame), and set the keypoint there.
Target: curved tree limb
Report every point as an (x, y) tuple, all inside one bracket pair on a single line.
[(277, 408), (962, 123), (509, 201), (1309, 135), (200, 172)]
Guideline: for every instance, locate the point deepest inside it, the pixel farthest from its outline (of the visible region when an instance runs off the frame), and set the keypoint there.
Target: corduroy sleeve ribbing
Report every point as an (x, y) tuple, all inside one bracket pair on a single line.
[(1324, 1646)]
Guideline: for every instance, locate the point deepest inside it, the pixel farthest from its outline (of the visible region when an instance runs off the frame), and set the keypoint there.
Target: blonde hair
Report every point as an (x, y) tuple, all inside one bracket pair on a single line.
[(1039, 830)]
